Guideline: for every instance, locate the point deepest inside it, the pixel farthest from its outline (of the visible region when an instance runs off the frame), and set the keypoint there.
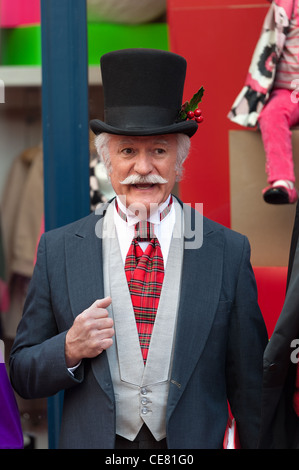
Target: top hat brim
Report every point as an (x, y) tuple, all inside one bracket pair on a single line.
[(184, 127)]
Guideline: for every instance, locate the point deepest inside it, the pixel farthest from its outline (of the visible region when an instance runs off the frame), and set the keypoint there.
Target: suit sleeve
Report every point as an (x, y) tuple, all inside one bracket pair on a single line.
[(37, 363), (247, 341)]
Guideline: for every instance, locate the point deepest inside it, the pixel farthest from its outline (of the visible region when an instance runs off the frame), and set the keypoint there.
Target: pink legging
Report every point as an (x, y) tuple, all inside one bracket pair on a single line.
[(275, 121)]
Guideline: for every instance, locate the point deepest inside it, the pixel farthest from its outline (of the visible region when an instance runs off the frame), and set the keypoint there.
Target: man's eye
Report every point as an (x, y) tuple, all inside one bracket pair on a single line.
[(127, 151), (160, 151)]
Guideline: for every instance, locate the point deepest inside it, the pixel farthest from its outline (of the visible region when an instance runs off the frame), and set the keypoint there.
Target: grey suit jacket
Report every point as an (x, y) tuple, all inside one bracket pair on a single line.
[(220, 340)]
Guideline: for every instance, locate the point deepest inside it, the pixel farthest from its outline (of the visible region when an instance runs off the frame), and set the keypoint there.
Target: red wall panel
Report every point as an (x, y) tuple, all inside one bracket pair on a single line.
[(218, 41)]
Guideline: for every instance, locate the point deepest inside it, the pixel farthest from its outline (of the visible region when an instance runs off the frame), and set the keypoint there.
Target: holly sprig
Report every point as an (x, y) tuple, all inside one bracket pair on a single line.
[(191, 106)]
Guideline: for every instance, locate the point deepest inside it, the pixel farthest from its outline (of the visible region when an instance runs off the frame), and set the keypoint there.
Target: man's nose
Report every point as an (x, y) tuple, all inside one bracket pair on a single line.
[(143, 164)]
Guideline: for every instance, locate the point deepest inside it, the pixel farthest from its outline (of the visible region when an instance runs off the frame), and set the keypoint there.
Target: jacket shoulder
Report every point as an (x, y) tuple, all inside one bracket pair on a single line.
[(81, 227), (211, 225)]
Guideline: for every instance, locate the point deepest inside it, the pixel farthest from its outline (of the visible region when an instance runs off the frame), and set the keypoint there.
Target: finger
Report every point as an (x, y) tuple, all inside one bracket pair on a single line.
[(98, 308), (101, 340), (103, 323), (106, 343), (106, 333), (102, 303)]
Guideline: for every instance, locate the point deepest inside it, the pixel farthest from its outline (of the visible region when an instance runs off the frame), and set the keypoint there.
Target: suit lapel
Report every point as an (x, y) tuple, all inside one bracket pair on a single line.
[(85, 282), (201, 284), (84, 266)]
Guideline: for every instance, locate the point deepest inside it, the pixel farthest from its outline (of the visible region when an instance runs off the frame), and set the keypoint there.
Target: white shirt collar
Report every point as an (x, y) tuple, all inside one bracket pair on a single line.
[(163, 229), (132, 219)]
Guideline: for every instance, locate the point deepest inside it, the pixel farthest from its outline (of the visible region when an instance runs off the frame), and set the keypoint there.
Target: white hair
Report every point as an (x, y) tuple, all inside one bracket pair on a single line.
[(183, 148)]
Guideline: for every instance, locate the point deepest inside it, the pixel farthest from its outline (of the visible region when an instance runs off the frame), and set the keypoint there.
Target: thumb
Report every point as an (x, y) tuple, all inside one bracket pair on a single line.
[(103, 303)]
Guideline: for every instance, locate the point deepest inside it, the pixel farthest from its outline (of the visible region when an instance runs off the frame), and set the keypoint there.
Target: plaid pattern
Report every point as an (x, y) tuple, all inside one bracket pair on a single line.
[(145, 274), (144, 231)]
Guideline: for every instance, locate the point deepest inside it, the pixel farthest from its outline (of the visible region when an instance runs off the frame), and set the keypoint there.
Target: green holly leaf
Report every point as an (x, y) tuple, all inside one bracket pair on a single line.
[(192, 104), (196, 99)]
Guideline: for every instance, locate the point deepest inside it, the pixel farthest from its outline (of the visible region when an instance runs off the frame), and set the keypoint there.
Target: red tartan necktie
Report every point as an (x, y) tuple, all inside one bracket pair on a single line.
[(145, 274)]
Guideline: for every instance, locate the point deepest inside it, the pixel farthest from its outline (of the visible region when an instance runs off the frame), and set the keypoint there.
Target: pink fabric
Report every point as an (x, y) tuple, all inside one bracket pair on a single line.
[(4, 296), (275, 121), (255, 85), (287, 5), (288, 64), (14, 13)]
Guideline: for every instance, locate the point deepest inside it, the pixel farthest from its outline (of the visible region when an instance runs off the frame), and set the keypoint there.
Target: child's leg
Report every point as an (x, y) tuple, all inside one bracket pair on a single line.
[(275, 121)]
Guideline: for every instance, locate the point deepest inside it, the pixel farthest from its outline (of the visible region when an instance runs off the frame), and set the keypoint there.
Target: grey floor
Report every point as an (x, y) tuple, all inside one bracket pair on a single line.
[(34, 423)]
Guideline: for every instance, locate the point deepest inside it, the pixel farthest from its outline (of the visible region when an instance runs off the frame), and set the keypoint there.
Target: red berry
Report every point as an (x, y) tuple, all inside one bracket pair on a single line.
[(199, 119), (190, 114), (197, 112)]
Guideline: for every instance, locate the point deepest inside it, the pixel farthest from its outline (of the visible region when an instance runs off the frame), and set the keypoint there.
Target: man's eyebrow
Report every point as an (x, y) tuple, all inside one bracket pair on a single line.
[(162, 141), (126, 141), (157, 141)]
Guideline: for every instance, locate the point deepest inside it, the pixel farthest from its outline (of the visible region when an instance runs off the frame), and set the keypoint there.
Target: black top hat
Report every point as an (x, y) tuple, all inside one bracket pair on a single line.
[(143, 91)]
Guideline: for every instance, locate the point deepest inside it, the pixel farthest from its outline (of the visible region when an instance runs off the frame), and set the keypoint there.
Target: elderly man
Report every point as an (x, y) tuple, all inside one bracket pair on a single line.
[(151, 327)]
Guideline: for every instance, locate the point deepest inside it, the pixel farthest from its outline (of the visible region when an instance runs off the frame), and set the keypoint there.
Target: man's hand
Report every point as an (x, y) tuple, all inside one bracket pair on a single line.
[(91, 333)]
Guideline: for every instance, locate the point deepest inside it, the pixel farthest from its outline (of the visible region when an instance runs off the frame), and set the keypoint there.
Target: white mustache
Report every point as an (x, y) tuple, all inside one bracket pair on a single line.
[(149, 179)]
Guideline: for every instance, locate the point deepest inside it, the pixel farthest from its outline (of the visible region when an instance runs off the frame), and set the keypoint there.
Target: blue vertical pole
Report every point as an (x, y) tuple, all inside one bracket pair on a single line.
[(65, 128)]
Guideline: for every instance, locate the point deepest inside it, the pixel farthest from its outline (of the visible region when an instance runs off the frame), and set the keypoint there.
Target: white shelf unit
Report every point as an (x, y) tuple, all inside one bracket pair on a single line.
[(19, 76)]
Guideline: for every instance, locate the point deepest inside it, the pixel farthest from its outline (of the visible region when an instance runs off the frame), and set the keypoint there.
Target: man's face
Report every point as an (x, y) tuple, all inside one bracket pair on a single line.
[(150, 156)]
